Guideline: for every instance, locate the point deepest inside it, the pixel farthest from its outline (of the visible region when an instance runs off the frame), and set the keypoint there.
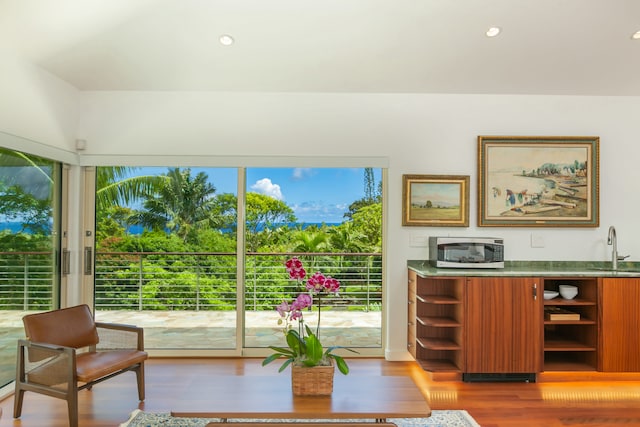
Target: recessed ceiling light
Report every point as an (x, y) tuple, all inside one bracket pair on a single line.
[(636, 35), (493, 31), (226, 40)]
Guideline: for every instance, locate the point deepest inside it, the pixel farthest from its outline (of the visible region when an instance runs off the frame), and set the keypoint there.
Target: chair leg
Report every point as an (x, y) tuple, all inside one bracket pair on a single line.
[(140, 379), (72, 404), (20, 377), (17, 402)]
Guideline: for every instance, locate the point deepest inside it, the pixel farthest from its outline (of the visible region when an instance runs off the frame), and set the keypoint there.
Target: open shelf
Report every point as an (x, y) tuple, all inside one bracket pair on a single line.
[(559, 344), (437, 299), (570, 322), (572, 345), (570, 361), (438, 344), (438, 365), (436, 322), (444, 322), (561, 302)]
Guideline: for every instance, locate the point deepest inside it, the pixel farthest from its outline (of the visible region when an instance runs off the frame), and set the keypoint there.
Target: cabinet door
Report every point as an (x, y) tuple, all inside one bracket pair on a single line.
[(620, 317), (504, 325)]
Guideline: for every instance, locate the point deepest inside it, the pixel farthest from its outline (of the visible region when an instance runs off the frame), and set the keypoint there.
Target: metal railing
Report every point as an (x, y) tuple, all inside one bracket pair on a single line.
[(26, 280), (192, 280)]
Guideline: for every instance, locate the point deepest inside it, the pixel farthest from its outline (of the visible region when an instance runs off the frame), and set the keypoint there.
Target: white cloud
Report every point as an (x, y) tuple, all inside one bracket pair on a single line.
[(268, 188), (313, 211), (301, 173)]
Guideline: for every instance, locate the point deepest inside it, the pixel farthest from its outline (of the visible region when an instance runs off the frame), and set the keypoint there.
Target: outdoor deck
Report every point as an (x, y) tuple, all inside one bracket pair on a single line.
[(166, 330)]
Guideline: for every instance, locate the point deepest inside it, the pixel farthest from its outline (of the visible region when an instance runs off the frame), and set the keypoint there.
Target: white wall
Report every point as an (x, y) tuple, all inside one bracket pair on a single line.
[(418, 134), (37, 106)]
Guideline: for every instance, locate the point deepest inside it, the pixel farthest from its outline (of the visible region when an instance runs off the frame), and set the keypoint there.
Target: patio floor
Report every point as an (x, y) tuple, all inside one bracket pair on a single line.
[(193, 330)]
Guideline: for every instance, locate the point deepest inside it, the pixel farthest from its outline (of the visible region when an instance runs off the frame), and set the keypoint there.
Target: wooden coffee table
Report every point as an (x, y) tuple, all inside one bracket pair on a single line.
[(270, 397)]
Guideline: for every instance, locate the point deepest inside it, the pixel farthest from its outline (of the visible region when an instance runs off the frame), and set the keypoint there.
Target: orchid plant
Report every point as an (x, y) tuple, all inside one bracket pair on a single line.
[(304, 347)]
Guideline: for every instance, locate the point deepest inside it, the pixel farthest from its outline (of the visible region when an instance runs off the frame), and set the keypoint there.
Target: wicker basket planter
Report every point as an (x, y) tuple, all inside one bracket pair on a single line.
[(314, 381)]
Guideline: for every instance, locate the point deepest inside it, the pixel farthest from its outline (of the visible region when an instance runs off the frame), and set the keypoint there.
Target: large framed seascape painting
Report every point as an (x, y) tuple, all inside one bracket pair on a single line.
[(435, 200), (538, 181)]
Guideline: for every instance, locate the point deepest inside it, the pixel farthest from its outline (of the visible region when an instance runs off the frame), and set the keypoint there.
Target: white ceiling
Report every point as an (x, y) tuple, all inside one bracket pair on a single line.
[(581, 47)]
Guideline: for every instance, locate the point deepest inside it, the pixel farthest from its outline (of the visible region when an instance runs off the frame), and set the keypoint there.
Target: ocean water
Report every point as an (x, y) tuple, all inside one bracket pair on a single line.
[(15, 227)]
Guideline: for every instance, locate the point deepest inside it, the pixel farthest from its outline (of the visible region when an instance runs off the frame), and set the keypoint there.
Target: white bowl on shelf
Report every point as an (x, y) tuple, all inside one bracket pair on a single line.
[(568, 291), (550, 294)]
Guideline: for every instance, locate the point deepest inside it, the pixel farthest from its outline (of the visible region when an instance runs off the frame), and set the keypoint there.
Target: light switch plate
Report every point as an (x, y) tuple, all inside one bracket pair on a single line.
[(537, 241), (419, 241)]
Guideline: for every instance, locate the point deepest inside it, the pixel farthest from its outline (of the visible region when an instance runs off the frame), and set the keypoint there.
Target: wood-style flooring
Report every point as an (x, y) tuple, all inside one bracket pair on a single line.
[(560, 400)]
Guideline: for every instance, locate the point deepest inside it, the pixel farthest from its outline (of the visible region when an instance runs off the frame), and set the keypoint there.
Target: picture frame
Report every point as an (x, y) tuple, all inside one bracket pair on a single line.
[(538, 181), (435, 200)]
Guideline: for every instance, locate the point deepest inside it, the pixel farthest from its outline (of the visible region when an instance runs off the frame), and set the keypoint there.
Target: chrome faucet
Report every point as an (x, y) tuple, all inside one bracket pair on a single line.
[(613, 240)]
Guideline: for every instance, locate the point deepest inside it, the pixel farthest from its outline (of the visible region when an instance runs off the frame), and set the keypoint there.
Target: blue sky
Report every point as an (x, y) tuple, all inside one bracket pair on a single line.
[(314, 194)]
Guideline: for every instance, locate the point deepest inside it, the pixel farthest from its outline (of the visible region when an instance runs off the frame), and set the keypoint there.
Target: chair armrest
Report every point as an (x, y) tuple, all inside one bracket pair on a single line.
[(43, 346), (46, 364), (119, 336)]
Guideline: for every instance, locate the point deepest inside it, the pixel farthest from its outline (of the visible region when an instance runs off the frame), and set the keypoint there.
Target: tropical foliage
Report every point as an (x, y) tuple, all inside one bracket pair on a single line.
[(182, 213)]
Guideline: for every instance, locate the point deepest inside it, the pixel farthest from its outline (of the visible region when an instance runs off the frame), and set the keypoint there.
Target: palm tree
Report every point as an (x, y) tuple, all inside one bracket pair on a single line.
[(116, 185), (346, 238), (182, 205), (33, 174), (305, 241)]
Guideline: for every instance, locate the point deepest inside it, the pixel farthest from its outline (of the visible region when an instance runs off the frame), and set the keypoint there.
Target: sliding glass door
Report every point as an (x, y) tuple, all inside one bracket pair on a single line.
[(196, 256), (29, 246)]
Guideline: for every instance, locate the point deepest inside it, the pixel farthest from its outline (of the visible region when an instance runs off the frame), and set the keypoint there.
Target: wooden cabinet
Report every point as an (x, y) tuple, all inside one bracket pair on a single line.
[(620, 325), (572, 345), (503, 323), (435, 324)]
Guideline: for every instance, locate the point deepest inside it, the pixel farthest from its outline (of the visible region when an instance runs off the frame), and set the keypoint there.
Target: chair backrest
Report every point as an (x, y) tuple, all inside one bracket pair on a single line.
[(69, 327)]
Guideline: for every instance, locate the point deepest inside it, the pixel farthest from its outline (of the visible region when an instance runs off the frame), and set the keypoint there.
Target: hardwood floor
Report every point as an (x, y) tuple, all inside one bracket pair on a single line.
[(566, 402)]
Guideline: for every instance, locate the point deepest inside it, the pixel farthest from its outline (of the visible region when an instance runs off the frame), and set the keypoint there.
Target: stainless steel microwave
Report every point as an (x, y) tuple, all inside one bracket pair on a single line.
[(466, 252)]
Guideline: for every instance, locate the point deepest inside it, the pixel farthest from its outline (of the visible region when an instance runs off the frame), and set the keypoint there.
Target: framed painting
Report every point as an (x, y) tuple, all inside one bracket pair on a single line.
[(538, 181), (435, 200)]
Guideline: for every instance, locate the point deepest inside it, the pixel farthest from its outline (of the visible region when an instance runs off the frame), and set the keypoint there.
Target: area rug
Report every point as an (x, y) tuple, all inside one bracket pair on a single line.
[(456, 418)]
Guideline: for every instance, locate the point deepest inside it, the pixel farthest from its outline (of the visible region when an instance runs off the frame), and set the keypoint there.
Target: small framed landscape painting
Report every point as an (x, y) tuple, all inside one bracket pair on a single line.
[(538, 181), (435, 200)]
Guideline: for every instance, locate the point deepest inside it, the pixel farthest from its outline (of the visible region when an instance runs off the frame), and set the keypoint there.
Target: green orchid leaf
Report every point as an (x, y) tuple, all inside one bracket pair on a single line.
[(330, 349), (341, 364), (285, 364), (282, 350), (309, 330), (295, 343), (271, 358), (314, 349)]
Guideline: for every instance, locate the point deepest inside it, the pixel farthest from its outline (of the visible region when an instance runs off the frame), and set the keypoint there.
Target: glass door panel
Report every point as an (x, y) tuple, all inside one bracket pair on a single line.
[(165, 254), (331, 220), (29, 246)]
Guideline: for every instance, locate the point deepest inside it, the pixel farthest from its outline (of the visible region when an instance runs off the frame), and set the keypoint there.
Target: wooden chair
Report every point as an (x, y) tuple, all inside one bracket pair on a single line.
[(66, 351)]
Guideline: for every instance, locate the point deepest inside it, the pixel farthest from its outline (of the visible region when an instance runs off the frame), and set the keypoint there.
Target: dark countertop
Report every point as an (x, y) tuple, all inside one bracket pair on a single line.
[(532, 269)]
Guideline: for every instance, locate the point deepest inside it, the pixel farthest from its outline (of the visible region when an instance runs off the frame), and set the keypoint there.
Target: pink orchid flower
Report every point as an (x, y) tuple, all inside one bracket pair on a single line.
[(295, 269), (283, 309)]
